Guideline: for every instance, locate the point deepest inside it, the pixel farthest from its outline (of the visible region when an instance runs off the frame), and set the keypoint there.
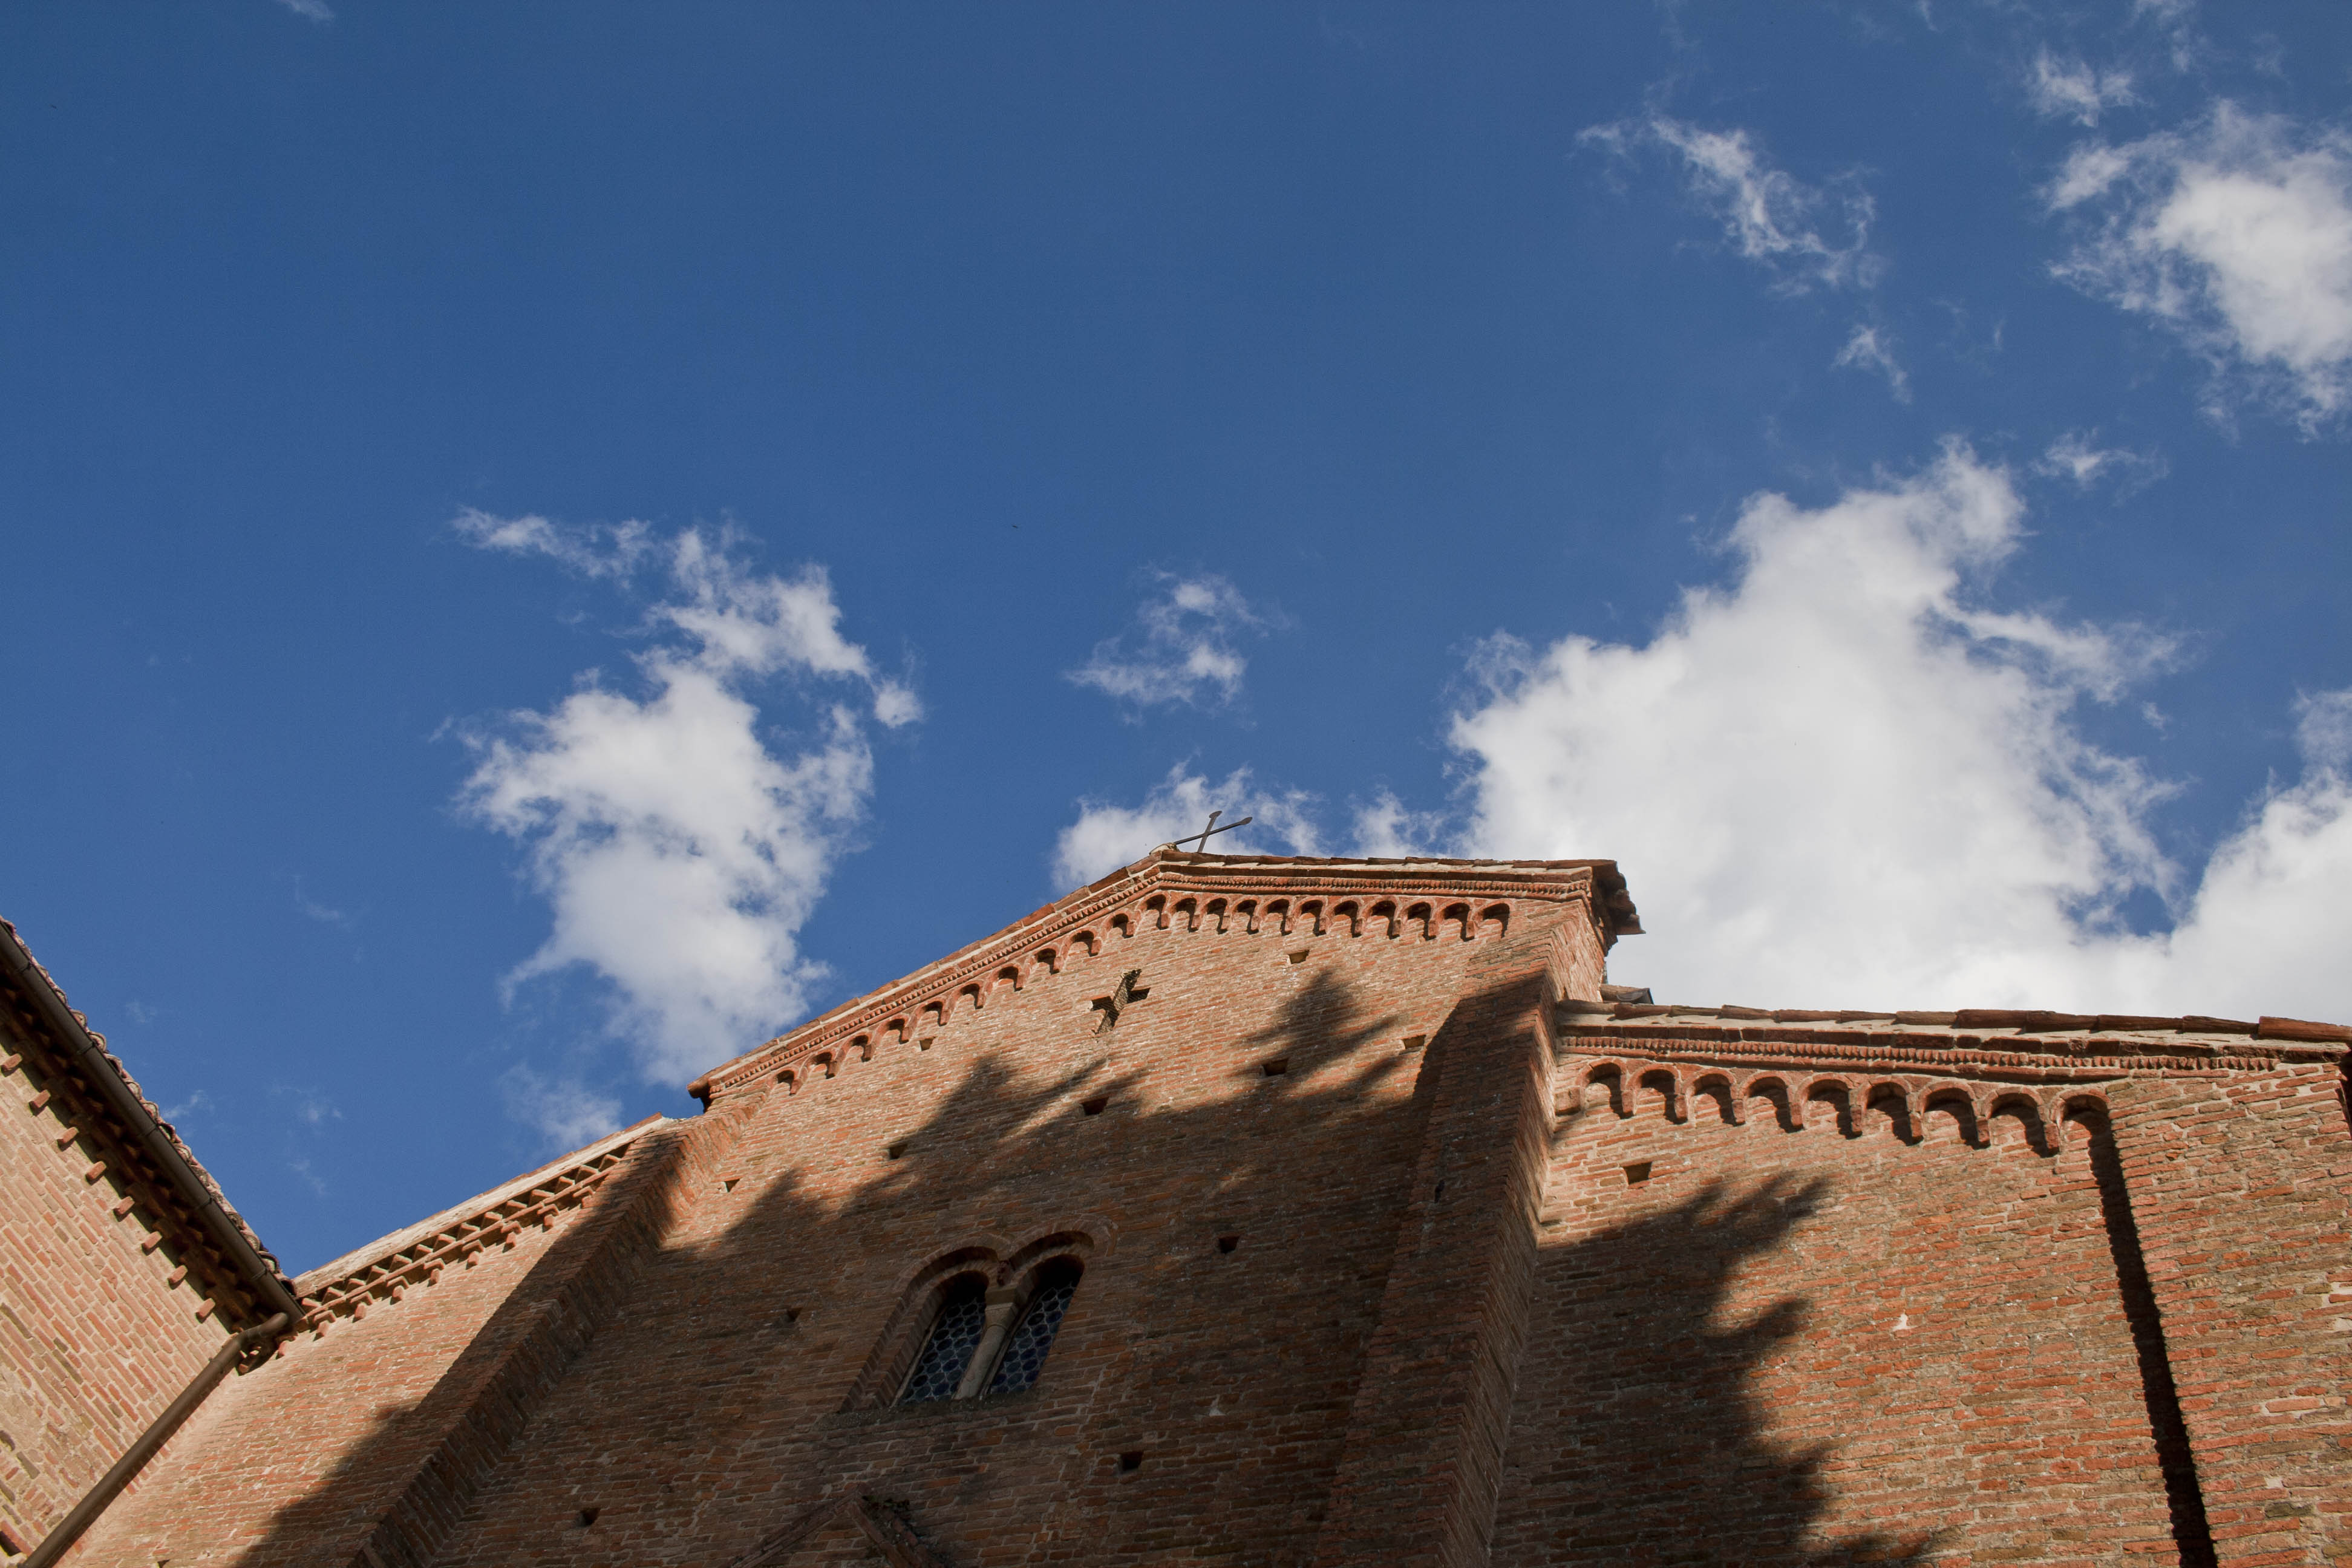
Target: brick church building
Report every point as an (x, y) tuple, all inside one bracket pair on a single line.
[(1249, 1211)]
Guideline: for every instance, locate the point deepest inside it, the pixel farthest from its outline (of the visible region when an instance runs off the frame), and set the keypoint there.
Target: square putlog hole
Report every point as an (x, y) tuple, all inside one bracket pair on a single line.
[(1276, 1068), (898, 1149), (1130, 1460), (588, 1516), (1637, 1173), (1297, 955), (1094, 1107), (1227, 1243)]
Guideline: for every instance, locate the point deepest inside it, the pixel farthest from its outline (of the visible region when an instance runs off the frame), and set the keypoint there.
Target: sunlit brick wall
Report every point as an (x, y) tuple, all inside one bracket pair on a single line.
[(1895, 1332), (96, 1337)]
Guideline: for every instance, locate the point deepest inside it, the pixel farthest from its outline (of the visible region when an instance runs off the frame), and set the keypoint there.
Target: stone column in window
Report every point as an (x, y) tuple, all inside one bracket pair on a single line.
[(1001, 1299)]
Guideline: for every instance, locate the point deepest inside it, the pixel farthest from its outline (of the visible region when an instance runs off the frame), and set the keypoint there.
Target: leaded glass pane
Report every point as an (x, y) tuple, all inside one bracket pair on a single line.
[(955, 1334), (1024, 1353)]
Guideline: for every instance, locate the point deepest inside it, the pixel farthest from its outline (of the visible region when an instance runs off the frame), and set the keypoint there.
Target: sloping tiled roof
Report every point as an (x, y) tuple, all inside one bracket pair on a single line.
[(415, 1255), (2010, 1032), (179, 1196)]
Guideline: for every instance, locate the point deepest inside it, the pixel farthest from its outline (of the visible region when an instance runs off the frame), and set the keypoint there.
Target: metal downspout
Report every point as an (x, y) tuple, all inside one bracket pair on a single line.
[(110, 1486)]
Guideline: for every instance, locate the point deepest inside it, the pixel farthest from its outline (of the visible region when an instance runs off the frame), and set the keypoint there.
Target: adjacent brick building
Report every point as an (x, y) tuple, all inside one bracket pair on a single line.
[(1292, 1212)]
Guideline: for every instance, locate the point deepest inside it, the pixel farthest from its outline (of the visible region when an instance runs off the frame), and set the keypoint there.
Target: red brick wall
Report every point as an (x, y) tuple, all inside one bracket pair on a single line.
[(380, 1430), (709, 1419), (1433, 1397), (1832, 1344), (2240, 1186), (717, 1398), (94, 1337), (1452, 1329)]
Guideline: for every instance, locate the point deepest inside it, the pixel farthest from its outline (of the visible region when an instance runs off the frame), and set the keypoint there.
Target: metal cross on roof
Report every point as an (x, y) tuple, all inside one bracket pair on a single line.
[(1200, 844)]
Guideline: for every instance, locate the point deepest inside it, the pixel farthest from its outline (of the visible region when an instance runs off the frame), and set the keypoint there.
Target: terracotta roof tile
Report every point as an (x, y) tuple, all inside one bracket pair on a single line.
[(1977, 1022)]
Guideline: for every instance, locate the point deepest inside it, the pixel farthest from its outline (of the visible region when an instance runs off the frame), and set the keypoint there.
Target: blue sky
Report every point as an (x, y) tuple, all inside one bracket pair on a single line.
[(546, 543)]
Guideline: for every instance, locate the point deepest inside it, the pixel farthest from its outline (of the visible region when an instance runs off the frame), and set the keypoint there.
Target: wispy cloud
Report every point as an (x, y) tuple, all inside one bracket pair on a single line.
[(681, 854), (1804, 235), (1184, 646), (1107, 836), (1871, 349), (2176, 20), (2071, 90), (592, 550), (310, 1112), (2236, 234), (2078, 457), (197, 1101), (311, 1106), (314, 9), (313, 909), (564, 1111)]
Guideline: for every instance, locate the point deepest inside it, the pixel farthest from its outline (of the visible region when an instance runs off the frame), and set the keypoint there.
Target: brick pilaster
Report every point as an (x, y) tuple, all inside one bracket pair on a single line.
[(1419, 1474)]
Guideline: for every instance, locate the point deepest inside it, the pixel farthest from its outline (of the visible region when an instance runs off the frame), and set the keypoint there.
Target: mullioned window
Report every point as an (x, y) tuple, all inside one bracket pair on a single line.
[(990, 1339)]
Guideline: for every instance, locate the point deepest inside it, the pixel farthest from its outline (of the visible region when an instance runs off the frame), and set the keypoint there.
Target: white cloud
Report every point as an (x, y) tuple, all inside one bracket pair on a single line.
[(1107, 836), (1843, 780), (563, 1112), (2071, 90), (2077, 455), (1806, 234), (681, 854), (1386, 829), (592, 550), (1848, 778), (314, 9), (2238, 235), (2268, 929), (1182, 648), (1869, 349)]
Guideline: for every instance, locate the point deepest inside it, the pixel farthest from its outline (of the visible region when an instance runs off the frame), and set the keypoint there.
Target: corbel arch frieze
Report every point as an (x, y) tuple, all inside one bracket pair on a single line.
[(1166, 898), (1688, 1093)]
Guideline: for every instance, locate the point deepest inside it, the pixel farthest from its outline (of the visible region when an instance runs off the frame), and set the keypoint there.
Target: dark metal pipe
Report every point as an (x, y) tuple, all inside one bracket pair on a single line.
[(110, 1486)]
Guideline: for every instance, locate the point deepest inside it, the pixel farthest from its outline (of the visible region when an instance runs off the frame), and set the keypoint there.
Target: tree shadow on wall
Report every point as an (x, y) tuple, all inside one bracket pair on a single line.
[(688, 1405), (1320, 1020), (1636, 1436)]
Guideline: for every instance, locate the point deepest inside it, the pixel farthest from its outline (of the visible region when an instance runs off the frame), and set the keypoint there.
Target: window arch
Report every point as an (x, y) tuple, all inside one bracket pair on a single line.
[(993, 1340)]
